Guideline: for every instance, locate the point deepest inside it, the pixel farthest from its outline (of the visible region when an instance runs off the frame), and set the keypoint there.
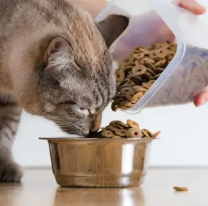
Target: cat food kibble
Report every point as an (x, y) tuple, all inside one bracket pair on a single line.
[(119, 124), (146, 133), (118, 129), (156, 134), (139, 71), (132, 124), (181, 189), (134, 132), (121, 132), (107, 133)]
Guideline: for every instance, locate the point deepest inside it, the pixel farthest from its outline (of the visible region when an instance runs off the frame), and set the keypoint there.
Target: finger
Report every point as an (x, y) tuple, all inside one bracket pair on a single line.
[(192, 6), (201, 98)]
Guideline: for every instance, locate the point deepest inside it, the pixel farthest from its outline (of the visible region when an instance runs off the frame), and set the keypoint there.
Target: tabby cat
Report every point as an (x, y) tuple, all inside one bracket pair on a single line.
[(55, 62)]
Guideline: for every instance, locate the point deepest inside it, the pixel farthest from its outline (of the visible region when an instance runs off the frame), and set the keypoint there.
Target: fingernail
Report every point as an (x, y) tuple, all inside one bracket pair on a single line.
[(203, 101)]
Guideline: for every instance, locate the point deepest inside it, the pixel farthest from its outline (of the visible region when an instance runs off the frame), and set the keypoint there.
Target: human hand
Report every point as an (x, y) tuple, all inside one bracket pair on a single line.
[(195, 8), (192, 6)]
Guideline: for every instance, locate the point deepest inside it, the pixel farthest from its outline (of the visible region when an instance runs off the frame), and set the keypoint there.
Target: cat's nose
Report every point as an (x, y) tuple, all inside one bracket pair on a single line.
[(96, 123)]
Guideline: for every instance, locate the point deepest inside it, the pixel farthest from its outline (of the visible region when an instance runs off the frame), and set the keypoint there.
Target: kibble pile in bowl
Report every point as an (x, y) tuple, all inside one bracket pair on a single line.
[(118, 129)]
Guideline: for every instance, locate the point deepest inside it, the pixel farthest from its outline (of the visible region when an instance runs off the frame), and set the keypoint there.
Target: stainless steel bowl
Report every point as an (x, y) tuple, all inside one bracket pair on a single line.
[(86, 162)]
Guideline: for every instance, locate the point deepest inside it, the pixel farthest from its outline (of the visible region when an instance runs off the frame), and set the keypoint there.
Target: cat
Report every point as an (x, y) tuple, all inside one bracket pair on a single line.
[(55, 62)]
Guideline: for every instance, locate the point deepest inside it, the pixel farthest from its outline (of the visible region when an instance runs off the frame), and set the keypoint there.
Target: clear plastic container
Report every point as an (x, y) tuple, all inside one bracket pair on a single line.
[(157, 21)]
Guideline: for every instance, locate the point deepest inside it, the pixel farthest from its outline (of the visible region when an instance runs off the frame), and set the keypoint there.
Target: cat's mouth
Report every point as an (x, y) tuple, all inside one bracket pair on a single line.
[(93, 134), (74, 132)]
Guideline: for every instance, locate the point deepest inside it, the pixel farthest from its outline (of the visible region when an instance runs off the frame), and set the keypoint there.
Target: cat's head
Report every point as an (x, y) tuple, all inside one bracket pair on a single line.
[(77, 78)]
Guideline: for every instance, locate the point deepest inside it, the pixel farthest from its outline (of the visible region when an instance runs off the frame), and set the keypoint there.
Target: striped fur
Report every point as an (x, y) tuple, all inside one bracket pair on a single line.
[(9, 120), (54, 62)]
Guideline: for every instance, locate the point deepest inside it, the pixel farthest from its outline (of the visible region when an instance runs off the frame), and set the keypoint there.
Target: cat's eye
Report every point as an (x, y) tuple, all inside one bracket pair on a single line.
[(84, 110)]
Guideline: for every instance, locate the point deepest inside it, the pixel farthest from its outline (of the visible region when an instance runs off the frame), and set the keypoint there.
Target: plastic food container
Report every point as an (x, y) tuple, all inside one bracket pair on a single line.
[(158, 21), (85, 162)]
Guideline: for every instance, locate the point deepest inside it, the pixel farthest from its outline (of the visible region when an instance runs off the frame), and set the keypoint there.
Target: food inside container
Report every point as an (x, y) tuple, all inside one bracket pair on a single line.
[(184, 71), (139, 71)]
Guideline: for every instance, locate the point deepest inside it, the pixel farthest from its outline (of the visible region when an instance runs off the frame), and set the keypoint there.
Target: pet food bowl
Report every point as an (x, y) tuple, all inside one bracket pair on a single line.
[(96, 162)]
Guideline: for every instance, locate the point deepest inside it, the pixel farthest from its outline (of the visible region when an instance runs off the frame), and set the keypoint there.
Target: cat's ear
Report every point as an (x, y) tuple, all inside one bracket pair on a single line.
[(112, 27), (58, 53)]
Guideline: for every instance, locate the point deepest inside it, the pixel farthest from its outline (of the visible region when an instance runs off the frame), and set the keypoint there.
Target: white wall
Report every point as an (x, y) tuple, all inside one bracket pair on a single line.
[(184, 137)]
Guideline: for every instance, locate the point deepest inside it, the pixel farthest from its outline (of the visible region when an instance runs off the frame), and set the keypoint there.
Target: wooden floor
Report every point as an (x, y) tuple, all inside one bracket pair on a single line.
[(40, 189)]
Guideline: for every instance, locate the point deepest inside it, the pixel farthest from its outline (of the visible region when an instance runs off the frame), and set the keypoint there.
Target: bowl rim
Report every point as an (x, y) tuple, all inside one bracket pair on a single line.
[(96, 139)]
